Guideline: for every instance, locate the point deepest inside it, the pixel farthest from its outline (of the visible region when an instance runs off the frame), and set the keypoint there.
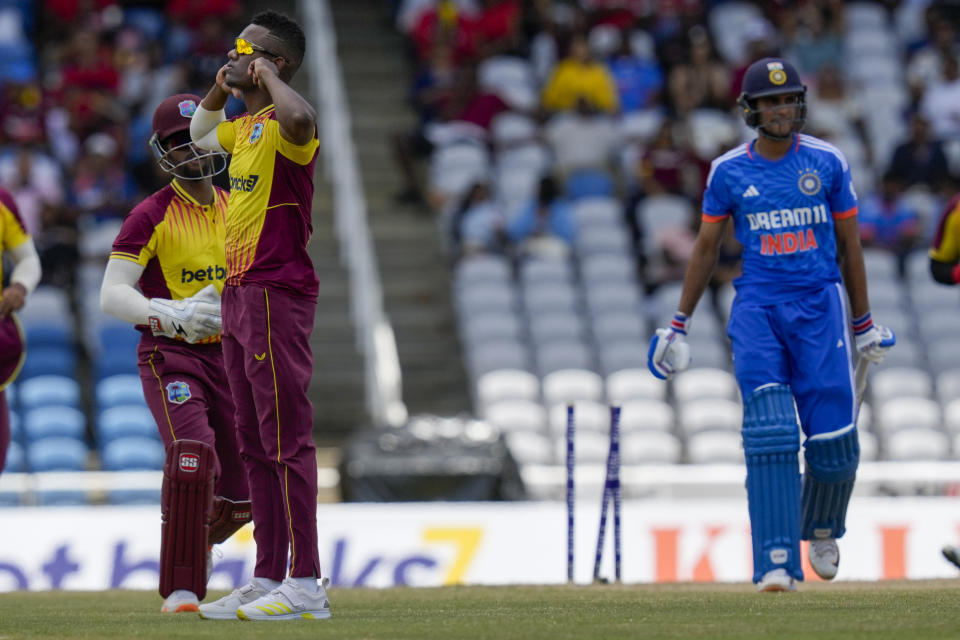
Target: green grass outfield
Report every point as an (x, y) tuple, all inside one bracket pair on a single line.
[(903, 610)]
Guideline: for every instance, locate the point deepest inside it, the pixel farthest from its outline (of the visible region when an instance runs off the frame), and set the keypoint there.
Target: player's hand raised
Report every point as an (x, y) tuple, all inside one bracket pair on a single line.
[(259, 66), (669, 352), (222, 83)]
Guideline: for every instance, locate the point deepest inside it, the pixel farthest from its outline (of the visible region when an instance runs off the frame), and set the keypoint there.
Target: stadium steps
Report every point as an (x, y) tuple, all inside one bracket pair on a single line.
[(337, 386), (412, 265)]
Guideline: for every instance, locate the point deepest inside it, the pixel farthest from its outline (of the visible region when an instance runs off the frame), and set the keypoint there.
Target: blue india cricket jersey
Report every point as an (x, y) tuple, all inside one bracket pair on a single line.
[(783, 213)]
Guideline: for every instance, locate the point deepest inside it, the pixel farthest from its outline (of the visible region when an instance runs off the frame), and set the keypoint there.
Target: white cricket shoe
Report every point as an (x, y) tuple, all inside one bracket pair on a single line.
[(226, 607), (181, 601), (824, 556), (776, 580), (289, 601)]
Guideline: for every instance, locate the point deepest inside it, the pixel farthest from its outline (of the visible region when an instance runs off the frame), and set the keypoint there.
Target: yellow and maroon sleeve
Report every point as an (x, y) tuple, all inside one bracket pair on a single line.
[(14, 231), (301, 154), (946, 241), (136, 241), (227, 134)]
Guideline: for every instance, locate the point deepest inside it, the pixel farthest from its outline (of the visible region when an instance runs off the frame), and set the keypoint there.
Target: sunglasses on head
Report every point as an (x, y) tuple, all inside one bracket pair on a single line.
[(245, 47)]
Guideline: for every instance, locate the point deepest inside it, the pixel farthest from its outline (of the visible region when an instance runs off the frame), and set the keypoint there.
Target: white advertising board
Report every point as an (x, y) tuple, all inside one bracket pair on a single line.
[(431, 544)]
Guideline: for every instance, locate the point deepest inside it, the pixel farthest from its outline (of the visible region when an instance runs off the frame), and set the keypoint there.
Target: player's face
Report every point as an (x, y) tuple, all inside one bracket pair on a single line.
[(252, 43), (187, 160), (777, 113)]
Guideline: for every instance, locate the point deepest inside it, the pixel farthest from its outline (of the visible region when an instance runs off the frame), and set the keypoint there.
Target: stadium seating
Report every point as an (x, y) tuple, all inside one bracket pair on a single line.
[(45, 390), (133, 453), (123, 421), (123, 389), (54, 422), (57, 454)]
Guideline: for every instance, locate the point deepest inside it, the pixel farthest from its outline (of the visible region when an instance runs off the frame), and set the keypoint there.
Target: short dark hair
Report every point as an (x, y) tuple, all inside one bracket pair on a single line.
[(286, 30)]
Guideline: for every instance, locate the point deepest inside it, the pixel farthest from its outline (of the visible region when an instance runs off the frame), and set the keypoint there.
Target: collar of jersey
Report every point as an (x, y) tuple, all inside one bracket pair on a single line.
[(756, 156), (179, 190), (264, 111)]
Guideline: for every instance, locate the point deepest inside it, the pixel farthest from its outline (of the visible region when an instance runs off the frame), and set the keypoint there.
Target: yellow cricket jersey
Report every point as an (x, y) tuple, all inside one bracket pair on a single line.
[(13, 232), (946, 242), (178, 241), (269, 213)]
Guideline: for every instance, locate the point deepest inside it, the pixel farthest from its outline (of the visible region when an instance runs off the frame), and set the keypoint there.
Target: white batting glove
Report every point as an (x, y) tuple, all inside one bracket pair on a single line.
[(191, 319), (669, 352), (873, 341)]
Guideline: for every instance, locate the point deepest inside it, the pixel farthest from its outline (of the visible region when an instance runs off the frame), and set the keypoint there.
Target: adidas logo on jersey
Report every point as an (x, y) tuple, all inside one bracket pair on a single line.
[(751, 192)]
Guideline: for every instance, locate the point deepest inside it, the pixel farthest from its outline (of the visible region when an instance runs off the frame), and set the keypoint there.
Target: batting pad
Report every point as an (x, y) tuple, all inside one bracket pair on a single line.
[(185, 503), (771, 443), (828, 483)]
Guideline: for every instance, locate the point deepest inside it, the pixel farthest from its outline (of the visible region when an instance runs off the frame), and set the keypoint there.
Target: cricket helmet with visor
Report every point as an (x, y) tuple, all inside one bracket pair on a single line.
[(171, 132), (772, 77)]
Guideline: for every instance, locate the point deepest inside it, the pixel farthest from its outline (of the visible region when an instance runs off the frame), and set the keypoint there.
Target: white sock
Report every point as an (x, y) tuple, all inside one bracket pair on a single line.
[(267, 583), (310, 584)]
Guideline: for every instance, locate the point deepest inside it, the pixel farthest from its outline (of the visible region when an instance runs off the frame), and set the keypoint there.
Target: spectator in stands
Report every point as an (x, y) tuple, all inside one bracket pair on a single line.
[(920, 160), (23, 109), (100, 185), (941, 102), (811, 35), (833, 114), (887, 222), (926, 64), (90, 82), (445, 23), (637, 74), (35, 181), (431, 92), (701, 81), (762, 42), (667, 166), (579, 78), (544, 226), (498, 27), (583, 141), (477, 225)]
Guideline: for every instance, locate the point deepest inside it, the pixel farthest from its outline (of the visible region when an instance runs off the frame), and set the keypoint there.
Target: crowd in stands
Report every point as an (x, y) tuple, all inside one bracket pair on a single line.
[(632, 99), (567, 144), (79, 81)]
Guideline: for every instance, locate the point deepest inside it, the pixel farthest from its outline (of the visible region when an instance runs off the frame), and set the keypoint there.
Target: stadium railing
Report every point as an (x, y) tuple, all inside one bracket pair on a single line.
[(374, 332)]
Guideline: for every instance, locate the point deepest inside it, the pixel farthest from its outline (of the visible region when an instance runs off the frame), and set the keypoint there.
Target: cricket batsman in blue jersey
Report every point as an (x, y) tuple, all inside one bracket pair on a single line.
[(794, 210)]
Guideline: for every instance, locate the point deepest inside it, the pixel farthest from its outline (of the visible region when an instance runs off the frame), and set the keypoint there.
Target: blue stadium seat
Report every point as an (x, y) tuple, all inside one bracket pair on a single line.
[(133, 454), (54, 422), (119, 390), (57, 454), (589, 184), (16, 459), (61, 498), (118, 337), (16, 427), (48, 335), (41, 391), (116, 363), (125, 421), (59, 361)]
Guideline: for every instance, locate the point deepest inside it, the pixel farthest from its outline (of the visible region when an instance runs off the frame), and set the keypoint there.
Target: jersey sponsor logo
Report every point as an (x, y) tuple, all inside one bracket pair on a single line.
[(187, 108), (809, 183), (783, 218), (178, 392), (212, 272), (243, 183), (256, 133), (189, 462), (751, 192)]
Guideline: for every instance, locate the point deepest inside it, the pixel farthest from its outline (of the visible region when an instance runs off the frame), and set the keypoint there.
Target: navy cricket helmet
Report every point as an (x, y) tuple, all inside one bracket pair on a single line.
[(771, 77)]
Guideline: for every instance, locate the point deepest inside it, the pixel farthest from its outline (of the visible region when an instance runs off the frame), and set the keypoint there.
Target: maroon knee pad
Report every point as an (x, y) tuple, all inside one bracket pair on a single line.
[(227, 517), (185, 503)]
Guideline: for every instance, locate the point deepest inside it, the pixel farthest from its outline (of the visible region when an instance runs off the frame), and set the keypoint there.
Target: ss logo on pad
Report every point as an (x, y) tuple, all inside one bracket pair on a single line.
[(189, 462)]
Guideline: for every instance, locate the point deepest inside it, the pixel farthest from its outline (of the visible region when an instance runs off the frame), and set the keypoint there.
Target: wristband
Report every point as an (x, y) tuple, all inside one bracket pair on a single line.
[(680, 322), (862, 324), (955, 273)]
